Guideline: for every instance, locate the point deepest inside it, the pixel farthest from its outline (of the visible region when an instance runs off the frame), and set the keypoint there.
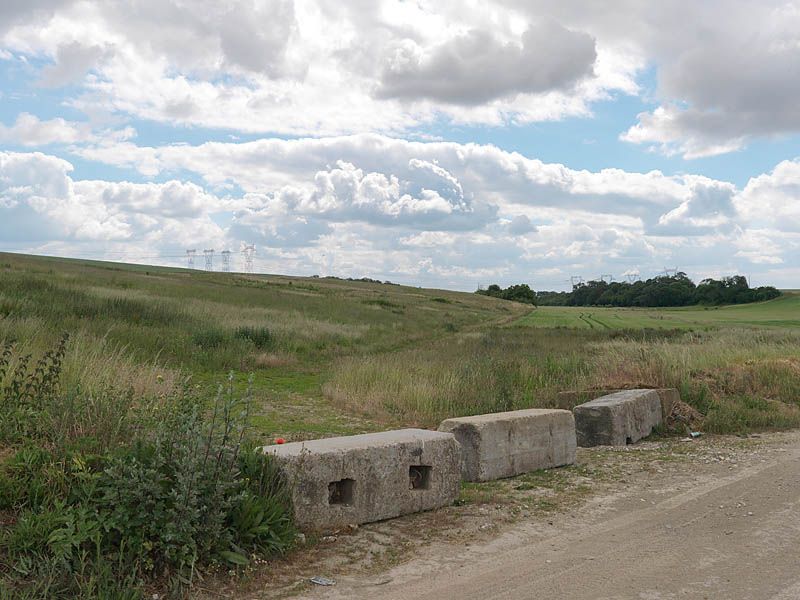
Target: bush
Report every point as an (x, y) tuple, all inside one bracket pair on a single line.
[(180, 490), (261, 337), (210, 338), (516, 293)]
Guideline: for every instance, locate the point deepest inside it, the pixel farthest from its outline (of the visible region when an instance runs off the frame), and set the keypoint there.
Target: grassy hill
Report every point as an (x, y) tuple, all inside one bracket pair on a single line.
[(146, 327), (330, 356)]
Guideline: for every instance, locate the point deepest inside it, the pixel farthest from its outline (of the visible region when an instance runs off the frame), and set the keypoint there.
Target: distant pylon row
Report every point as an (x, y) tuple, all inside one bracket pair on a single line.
[(248, 252)]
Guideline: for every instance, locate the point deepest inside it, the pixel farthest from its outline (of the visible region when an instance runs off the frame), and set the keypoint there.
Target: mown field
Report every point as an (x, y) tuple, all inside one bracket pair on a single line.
[(783, 312), (171, 377)]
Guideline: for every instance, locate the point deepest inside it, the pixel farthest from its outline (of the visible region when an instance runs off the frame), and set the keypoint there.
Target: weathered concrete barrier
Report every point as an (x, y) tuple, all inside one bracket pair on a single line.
[(568, 400), (364, 478), (617, 419), (510, 443)]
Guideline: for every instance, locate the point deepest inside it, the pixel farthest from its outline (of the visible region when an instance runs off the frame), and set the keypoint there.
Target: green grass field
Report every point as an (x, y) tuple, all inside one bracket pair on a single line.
[(783, 312)]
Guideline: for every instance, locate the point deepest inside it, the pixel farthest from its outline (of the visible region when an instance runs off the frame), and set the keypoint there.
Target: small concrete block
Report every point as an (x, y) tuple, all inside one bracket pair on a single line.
[(568, 400), (364, 478), (505, 444), (618, 419)]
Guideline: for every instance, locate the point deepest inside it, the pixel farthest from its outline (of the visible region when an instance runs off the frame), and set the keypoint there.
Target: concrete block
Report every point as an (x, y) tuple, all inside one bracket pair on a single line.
[(510, 443), (568, 400), (364, 478), (618, 419)]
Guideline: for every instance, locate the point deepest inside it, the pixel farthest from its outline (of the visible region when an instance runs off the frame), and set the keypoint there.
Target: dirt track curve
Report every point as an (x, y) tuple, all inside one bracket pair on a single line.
[(723, 533)]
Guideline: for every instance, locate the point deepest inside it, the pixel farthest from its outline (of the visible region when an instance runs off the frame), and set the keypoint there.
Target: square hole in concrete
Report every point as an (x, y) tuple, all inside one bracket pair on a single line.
[(419, 477), (341, 492)]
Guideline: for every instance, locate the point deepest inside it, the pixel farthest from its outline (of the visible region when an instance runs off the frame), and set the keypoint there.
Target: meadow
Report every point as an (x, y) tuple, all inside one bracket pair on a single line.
[(168, 374), (331, 356)]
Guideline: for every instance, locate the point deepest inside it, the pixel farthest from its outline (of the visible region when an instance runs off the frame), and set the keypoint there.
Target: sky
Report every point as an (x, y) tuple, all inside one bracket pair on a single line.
[(442, 144)]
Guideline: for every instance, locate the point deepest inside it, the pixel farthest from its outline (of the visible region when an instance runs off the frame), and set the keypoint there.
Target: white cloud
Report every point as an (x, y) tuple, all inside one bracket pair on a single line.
[(39, 202), (520, 225), (476, 67), (308, 67), (28, 130), (727, 71), (709, 207), (431, 213), (772, 200), (72, 61)]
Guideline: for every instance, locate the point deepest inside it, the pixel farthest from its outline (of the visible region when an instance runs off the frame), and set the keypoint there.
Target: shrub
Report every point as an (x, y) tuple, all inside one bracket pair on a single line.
[(261, 337), (178, 491), (209, 338)]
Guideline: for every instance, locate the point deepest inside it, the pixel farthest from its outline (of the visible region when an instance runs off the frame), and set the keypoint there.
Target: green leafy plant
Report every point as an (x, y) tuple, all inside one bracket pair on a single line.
[(181, 490)]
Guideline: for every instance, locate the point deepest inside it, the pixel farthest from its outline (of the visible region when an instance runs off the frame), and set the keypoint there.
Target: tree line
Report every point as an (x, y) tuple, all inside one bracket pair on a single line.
[(661, 291)]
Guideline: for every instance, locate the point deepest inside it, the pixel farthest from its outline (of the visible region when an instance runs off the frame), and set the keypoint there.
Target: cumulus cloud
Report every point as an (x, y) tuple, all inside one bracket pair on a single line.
[(39, 202), (521, 225), (727, 71), (428, 209), (13, 12), (315, 68), (772, 200), (708, 206), (28, 130), (72, 61), (431, 200), (728, 74), (475, 67)]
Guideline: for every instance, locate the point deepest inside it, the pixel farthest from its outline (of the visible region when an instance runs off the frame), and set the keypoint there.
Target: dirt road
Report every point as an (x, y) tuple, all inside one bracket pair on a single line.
[(728, 530)]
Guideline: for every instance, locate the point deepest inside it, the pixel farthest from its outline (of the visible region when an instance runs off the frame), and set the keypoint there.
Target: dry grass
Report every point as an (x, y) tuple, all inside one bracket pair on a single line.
[(739, 379)]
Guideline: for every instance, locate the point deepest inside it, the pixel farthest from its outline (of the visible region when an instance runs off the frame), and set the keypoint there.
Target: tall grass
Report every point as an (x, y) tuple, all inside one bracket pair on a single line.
[(504, 369), (740, 379)]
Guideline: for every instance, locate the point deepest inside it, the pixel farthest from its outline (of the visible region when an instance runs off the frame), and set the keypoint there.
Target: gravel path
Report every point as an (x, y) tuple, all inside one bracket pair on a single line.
[(720, 527)]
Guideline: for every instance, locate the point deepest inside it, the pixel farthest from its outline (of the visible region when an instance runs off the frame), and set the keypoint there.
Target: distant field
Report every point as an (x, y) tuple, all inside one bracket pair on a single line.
[(782, 312)]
